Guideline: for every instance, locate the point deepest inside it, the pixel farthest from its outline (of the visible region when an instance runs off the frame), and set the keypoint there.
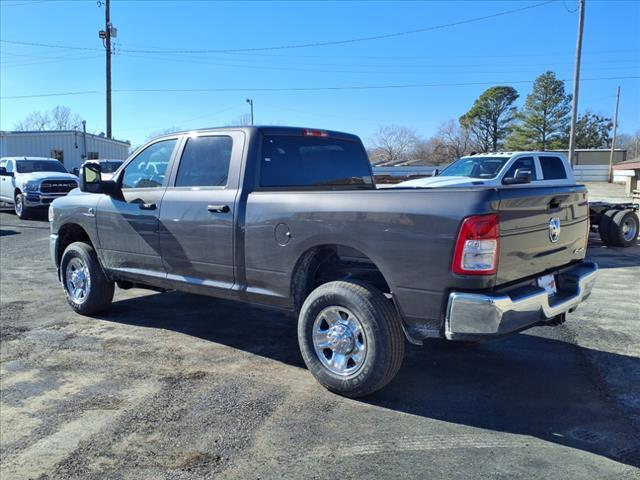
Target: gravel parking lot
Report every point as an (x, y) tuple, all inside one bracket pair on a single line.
[(179, 386)]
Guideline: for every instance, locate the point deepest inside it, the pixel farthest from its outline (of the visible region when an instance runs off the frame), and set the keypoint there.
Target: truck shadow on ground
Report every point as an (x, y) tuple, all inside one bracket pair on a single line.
[(526, 384), (613, 257)]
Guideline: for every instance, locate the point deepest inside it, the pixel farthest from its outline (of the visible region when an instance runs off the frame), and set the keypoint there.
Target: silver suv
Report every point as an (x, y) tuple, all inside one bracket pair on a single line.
[(33, 182)]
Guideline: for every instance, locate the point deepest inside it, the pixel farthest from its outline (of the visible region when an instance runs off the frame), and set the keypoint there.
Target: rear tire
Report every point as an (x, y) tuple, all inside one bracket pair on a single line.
[(87, 289), (623, 229), (604, 226), (350, 337), (19, 207)]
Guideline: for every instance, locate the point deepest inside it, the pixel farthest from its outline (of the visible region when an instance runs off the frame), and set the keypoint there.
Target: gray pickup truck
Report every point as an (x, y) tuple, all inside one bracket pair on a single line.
[(291, 218)]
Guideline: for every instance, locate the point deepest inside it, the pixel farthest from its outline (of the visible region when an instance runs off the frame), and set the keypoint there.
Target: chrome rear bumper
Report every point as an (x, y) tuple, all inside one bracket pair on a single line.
[(472, 315)]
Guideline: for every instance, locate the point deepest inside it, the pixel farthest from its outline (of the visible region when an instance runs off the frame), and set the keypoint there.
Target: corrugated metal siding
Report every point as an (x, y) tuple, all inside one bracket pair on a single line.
[(591, 173), (599, 156), (40, 144)]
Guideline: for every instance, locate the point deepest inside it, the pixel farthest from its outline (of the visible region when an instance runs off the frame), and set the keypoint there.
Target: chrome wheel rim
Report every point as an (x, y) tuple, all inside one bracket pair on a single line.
[(629, 229), (77, 280), (339, 340), (19, 205)]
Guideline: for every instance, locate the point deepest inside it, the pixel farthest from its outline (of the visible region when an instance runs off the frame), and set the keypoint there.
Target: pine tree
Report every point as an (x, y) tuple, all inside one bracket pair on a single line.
[(490, 116), (544, 120)]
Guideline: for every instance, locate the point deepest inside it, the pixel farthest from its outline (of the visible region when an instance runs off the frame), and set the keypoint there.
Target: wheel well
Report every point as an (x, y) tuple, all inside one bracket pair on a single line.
[(68, 234), (327, 263)]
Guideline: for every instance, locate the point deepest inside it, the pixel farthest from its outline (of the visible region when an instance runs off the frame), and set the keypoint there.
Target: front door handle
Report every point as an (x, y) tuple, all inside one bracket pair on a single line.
[(218, 208), (148, 206)]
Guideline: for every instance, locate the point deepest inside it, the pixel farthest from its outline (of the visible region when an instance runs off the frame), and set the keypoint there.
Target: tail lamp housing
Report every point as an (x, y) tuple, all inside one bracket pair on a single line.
[(477, 246)]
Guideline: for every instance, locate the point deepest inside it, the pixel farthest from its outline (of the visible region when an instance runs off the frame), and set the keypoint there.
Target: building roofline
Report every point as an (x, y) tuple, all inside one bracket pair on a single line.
[(57, 132)]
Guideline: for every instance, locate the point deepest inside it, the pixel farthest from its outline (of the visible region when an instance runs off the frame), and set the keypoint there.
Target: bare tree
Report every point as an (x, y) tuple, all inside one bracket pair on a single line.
[(456, 140), (164, 131), (34, 121), (61, 118), (393, 144), (58, 118), (241, 120), (630, 143)]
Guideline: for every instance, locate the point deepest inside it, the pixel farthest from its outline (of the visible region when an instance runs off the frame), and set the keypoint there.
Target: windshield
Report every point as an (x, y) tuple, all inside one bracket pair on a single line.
[(29, 166), (475, 167), (109, 167)]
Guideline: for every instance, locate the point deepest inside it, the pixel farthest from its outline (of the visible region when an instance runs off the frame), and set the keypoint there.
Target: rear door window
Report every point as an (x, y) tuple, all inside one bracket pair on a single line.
[(292, 161), (205, 162), (524, 163), (552, 168)]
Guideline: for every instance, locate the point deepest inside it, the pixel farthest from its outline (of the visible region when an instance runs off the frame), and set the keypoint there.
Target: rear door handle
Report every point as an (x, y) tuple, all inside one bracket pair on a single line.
[(148, 206), (218, 208)]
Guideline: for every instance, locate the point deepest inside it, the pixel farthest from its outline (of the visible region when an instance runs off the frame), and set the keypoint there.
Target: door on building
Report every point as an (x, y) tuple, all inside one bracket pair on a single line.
[(58, 155)]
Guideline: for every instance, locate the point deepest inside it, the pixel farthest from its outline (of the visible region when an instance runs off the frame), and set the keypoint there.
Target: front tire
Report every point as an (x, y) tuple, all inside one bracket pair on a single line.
[(350, 337), (87, 289), (19, 207)]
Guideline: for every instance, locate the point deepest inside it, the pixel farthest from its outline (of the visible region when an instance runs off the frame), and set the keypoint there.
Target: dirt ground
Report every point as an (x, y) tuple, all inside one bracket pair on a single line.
[(175, 386)]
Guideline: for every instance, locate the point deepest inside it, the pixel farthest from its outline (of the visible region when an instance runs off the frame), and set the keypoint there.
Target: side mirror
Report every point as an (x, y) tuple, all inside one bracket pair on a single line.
[(90, 180), (435, 173), (4, 173), (520, 177), (76, 171)]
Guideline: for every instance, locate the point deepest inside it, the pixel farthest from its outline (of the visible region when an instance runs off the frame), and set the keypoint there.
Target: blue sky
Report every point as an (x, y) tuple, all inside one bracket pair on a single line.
[(457, 63)]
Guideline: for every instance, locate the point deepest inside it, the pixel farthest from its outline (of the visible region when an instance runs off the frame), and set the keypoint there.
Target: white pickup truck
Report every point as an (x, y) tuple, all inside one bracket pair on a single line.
[(501, 168), (30, 183), (617, 223)]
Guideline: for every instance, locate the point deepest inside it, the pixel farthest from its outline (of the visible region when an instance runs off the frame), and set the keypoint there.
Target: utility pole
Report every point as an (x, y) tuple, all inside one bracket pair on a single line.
[(106, 35), (250, 102), (84, 139), (576, 85), (613, 140)]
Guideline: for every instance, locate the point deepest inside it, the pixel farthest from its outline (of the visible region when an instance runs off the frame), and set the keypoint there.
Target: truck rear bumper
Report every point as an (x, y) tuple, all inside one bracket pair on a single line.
[(478, 315)]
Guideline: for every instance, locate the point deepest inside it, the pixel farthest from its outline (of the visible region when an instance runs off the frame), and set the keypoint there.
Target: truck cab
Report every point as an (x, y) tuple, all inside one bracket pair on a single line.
[(499, 169)]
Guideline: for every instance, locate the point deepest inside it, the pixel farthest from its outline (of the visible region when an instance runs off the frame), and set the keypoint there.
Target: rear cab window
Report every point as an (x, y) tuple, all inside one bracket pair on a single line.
[(289, 161), (552, 168)]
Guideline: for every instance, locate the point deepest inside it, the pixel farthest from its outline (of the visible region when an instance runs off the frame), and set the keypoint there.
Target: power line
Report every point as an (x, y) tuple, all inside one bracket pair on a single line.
[(48, 45), (363, 39), (60, 94), (430, 68), (306, 89), (23, 63), (21, 4), (312, 44), (394, 57)]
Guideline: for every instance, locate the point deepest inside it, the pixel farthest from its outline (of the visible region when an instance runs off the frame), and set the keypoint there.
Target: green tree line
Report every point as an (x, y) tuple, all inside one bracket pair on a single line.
[(494, 123), (542, 123)]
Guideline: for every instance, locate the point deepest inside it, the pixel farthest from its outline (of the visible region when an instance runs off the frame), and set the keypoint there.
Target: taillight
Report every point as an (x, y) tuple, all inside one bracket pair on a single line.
[(477, 246), (314, 133)]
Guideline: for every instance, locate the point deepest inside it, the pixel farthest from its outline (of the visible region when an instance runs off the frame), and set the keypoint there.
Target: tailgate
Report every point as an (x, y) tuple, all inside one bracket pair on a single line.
[(530, 240)]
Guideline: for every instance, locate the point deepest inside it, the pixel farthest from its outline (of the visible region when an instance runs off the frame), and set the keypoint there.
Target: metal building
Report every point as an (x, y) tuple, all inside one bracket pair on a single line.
[(71, 147)]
